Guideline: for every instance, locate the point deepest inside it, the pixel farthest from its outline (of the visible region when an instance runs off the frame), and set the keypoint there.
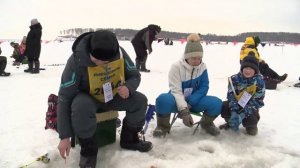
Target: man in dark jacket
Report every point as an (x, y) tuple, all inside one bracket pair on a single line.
[(33, 47), (99, 76), (3, 63), (142, 42)]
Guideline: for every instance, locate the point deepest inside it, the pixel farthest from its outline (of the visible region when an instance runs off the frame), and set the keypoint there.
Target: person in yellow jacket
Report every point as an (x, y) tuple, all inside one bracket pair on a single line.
[(250, 47)]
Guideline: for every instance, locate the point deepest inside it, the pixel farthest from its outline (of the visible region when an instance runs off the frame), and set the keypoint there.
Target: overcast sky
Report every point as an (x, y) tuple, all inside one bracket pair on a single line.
[(222, 17)]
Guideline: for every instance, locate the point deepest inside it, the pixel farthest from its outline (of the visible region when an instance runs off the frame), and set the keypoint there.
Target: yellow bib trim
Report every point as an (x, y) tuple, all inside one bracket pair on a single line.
[(112, 72), (250, 89)]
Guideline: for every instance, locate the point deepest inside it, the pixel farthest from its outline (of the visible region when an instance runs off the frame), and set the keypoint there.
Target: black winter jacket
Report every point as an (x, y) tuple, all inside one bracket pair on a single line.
[(33, 41), (144, 38), (75, 79)]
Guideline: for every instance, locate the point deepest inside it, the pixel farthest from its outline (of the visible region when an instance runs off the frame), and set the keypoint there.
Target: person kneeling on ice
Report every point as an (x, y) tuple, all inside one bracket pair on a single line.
[(188, 83), (98, 76), (246, 92)]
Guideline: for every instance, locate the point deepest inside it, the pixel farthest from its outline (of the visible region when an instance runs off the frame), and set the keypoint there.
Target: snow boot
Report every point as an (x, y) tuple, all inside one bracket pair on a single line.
[(30, 67), (297, 85), (143, 67), (282, 78), (88, 152), (207, 124), (251, 130), (36, 68), (224, 126), (4, 74), (163, 126), (87, 162), (130, 139), (3, 63)]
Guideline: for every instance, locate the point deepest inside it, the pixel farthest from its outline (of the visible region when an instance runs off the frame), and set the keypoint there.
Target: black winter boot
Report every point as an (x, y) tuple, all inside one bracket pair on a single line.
[(130, 139), (163, 126), (30, 67), (251, 130), (4, 74), (36, 68), (87, 162), (207, 124), (143, 67), (226, 125), (3, 63), (88, 152), (283, 77)]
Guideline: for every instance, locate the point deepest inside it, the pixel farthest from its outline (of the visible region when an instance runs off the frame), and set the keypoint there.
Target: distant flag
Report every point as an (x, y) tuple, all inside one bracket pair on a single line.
[(183, 40)]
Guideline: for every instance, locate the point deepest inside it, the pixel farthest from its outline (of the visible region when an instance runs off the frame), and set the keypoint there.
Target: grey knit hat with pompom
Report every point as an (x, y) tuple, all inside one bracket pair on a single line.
[(193, 47)]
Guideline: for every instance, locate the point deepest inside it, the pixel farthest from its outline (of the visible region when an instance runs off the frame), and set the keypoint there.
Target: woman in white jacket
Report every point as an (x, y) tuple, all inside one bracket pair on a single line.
[(189, 84)]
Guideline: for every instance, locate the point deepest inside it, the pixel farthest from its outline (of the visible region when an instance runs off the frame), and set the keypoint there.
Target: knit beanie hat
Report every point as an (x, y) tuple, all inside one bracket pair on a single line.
[(104, 45), (34, 21), (193, 47), (250, 61)]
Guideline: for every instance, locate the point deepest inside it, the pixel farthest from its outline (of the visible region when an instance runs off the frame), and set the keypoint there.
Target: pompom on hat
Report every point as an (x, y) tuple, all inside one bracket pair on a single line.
[(34, 21), (193, 47), (250, 61), (104, 45)]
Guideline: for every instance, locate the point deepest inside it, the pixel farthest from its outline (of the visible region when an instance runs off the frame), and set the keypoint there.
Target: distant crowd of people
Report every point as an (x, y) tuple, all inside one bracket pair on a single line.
[(27, 52)]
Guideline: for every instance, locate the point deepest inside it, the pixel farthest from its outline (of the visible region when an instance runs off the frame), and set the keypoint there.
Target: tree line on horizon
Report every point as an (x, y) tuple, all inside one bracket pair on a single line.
[(128, 34)]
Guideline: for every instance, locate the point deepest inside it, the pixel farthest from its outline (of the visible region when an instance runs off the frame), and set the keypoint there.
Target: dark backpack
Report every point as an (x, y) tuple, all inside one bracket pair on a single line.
[(51, 114)]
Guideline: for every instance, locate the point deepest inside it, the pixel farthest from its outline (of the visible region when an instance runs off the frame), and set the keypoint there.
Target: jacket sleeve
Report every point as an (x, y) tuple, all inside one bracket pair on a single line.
[(233, 103), (175, 85), (132, 75), (67, 91), (200, 90), (148, 38)]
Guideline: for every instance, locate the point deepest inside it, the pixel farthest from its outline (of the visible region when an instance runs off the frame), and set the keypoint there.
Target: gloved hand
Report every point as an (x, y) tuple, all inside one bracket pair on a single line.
[(235, 120), (186, 117)]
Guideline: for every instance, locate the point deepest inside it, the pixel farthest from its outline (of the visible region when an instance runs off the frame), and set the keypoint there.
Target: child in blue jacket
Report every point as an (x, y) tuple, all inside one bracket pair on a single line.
[(246, 92)]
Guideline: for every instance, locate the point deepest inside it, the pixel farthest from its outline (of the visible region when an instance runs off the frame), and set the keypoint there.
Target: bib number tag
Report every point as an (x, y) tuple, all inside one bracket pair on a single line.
[(107, 90), (244, 99), (187, 92)]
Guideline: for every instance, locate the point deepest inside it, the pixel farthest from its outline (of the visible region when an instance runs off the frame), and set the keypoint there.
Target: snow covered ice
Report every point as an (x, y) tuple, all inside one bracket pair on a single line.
[(23, 99)]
